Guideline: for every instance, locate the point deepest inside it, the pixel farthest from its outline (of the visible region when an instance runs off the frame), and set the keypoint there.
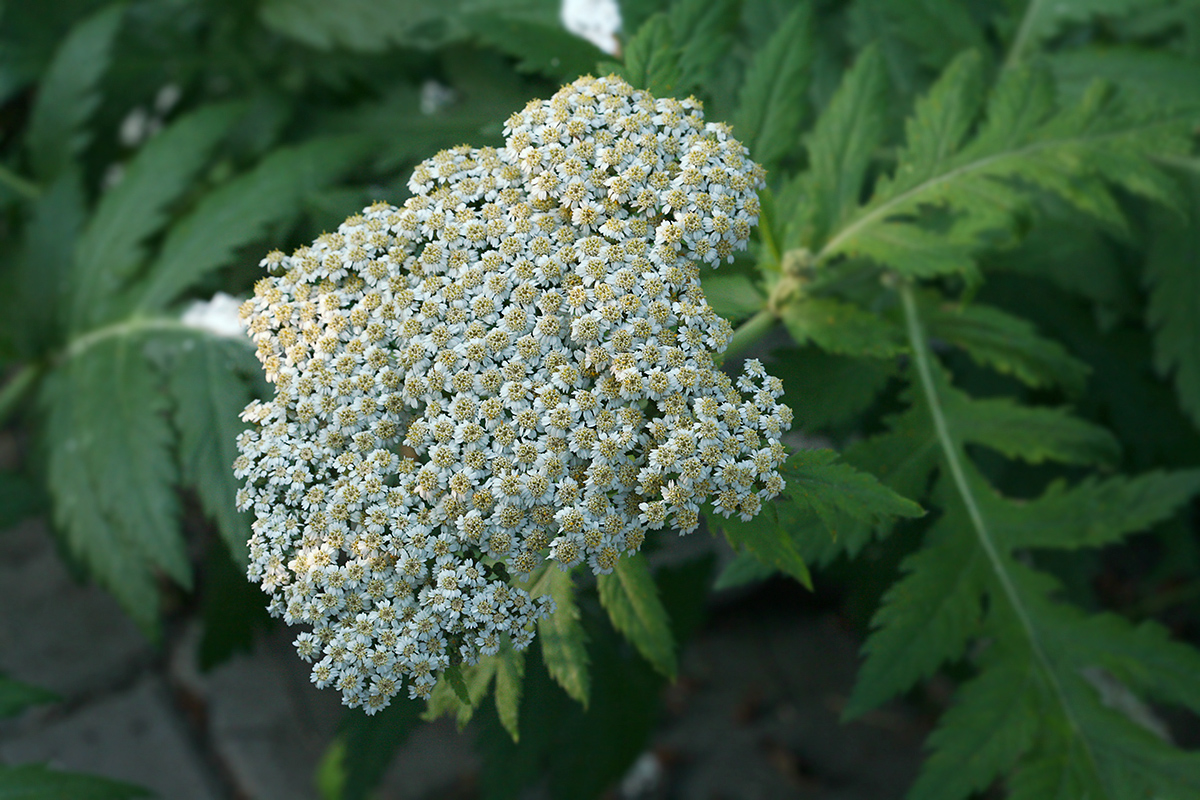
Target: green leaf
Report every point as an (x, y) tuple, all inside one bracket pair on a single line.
[(840, 148), (510, 671), (1092, 737), (992, 723), (1155, 76), (702, 31), (1030, 433), (771, 102), (1172, 273), (15, 697), (454, 678), (1008, 344), (980, 183), (768, 540), (631, 599), (734, 297), (461, 690), (68, 93), (1043, 19), (367, 26), (38, 306), (817, 482), (926, 618), (540, 46), (111, 248), (564, 644), (652, 60), (1094, 513), (211, 382), (841, 327), (37, 782), (111, 474), (239, 212)]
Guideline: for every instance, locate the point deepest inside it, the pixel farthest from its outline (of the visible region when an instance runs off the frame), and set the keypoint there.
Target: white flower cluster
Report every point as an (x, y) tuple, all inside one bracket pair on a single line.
[(518, 361)]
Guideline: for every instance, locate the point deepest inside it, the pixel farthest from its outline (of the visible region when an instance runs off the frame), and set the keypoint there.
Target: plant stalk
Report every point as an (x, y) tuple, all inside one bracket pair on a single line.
[(749, 332)]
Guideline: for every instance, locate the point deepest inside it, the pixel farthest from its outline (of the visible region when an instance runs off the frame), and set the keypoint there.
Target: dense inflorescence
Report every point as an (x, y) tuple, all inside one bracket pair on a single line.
[(518, 362)]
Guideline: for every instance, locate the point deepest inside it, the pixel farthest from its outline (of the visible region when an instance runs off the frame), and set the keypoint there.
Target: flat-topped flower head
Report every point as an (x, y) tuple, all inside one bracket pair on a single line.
[(515, 365)]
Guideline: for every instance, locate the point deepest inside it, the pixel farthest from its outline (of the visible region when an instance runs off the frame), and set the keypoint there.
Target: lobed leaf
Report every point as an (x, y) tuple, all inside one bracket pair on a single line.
[(840, 148), (925, 619), (702, 31), (564, 643), (68, 95), (840, 327), (210, 383), (1008, 344), (830, 489), (652, 59), (510, 671), (111, 247), (239, 212), (992, 723), (630, 597), (1172, 274), (768, 540), (111, 475)]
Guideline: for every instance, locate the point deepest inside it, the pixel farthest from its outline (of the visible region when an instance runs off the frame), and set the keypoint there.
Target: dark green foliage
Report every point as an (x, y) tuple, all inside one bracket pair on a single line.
[(977, 266), (36, 782)]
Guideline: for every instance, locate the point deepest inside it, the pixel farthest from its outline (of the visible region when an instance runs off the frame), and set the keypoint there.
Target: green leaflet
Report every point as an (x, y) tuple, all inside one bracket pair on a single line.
[(210, 380), (564, 643), (1151, 75), (111, 250), (15, 697), (39, 304), (1081, 747), (702, 31), (111, 473), (460, 691), (1042, 19), (830, 489), (840, 327), (1007, 344), (1172, 274), (68, 94), (840, 148), (510, 671), (926, 618), (36, 782), (539, 45), (734, 296), (1093, 513), (630, 597), (1031, 433), (367, 26), (992, 723), (768, 540), (981, 181), (652, 60), (239, 212)]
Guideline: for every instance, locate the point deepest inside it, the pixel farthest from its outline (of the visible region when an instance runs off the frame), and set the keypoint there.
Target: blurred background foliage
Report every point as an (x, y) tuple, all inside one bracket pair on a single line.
[(151, 151)]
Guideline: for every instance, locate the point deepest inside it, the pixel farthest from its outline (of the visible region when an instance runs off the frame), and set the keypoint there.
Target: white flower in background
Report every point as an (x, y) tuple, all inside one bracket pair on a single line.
[(518, 362), (219, 316), (595, 20)]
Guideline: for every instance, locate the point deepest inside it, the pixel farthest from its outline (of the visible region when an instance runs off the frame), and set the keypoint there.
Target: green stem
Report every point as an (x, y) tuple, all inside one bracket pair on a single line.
[(22, 186), (17, 387), (750, 332), (953, 457)]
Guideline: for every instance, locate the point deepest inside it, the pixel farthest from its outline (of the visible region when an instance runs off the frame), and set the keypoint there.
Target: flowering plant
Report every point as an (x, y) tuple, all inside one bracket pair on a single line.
[(519, 360)]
